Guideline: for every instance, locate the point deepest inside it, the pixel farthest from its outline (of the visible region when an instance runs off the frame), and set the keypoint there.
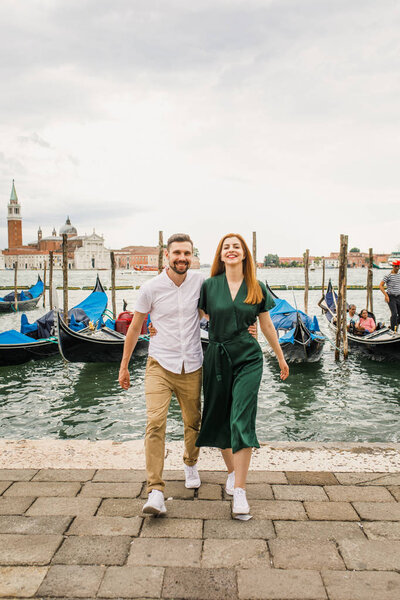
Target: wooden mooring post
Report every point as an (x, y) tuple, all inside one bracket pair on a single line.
[(370, 277), (65, 275), (44, 284), (51, 279), (113, 300), (306, 259), (160, 251), (16, 285), (255, 249), (341, 311)]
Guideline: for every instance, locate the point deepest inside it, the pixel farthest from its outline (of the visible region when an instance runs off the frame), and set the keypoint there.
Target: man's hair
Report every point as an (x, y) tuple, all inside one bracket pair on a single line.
[(178, 237), (351, 306)]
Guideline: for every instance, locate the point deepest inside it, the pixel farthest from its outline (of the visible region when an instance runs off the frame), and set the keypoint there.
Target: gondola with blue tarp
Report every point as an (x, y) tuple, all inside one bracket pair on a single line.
[(26, 300)]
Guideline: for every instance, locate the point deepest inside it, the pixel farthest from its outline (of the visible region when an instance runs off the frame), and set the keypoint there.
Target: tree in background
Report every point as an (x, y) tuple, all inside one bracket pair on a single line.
[(355, 249), (271, 260)]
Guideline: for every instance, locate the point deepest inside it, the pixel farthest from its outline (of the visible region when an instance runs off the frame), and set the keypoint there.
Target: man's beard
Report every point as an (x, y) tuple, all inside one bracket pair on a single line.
[(182, 269)]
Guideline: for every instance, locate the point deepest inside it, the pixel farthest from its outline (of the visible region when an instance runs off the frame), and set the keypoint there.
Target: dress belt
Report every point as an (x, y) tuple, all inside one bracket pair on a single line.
[(221, 350)]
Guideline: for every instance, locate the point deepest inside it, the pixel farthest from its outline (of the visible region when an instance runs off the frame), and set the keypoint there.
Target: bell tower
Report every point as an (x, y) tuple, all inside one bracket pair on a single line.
[(14, 220)]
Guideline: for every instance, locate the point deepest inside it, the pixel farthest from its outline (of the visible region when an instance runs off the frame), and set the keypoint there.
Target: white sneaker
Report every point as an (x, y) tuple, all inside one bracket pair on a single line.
[(155, 503), (192, 477), (230, 483), (240, 504)]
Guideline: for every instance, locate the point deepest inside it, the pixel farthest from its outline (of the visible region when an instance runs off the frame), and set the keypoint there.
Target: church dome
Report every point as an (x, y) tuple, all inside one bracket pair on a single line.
[(68, 228)]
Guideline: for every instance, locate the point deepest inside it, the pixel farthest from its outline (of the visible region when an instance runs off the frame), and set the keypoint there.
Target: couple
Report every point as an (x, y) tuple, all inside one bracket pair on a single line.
[(231, 299)]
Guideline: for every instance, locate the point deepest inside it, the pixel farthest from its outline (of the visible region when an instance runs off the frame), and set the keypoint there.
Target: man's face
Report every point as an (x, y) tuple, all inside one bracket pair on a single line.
[(352, 309), (396, 268), (180, 256)]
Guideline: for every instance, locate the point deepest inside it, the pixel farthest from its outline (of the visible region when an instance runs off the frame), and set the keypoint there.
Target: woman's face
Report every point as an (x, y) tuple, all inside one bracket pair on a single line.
[(232, 251), (364, 314)]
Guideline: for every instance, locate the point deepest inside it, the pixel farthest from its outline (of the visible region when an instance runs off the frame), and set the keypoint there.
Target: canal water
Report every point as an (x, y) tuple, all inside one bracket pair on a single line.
[(357, 400)]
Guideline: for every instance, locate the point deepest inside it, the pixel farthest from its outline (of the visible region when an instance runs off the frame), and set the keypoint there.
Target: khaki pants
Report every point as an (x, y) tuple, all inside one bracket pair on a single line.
[(159, 386)]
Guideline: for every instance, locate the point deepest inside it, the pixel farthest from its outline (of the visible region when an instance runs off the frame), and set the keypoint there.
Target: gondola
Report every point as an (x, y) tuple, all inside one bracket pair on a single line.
[(381, 344), (25, 300), (99, 345), (299, 335), (37, 340)]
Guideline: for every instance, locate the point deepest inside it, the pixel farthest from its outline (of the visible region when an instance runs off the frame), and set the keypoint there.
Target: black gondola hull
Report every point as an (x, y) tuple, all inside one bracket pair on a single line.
[(18, 354), (23, 305), (299, 353)]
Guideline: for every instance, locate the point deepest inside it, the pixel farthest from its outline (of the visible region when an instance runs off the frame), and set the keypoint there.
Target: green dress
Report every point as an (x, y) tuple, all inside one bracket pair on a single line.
[(232, 367)]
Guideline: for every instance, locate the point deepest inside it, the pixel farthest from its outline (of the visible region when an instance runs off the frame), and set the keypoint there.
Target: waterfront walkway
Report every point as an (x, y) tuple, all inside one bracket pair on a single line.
[(79, 533)]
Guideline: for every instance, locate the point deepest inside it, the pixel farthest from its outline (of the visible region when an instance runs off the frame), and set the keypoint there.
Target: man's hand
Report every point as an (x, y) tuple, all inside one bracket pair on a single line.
[(253, 330), (124, 379), (387, 298), (152, 330), (284, 369)]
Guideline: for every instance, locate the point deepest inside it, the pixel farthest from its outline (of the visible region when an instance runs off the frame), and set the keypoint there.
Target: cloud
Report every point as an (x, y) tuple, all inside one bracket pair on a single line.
[(34, 138)]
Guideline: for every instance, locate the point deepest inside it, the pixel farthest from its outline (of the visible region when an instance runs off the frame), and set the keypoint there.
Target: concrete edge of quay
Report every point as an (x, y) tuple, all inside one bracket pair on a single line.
[(271, 456)]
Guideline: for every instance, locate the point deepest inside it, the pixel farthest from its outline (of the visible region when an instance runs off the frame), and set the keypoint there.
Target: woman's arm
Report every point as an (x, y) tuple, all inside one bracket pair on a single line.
[(269, 332), (203, 315)]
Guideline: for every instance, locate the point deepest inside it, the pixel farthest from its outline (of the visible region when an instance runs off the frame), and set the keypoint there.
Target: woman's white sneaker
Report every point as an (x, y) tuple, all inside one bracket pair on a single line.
[(230, 483), (155, 503), (240, 504), (192, 477)]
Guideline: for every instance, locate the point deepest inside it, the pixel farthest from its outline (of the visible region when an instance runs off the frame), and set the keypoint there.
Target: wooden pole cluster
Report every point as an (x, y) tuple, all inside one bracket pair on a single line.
[(306, 257), (65, 274), (370, 305), (44, 284), (341, 312), (51, 279), (16, 285), (160, 251), (114, 304)]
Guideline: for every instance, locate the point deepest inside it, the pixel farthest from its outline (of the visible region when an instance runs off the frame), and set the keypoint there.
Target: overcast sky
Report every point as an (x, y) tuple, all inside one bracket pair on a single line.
[(131, 116)]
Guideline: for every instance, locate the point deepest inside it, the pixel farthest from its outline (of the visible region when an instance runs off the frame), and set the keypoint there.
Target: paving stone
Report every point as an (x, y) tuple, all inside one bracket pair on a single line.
[(395, 491), (279, 584), (294, 554), (20, 581), (233, 529), (371, 555), (64, 475), (172, 528), (311, 478), (18, 549), (121, 507), (132, 582), (111, 490), (388, 479), (331, 511), (71, 581), (14, 506), (200, 584), (120, 475), (105, 526), (255, 491), (357, 493), (378, 511), (167, 552), (198, 509), (357, 478), (218, 554), (93, 550), (17, 474), (347, 585), (299, 492), (277, 509), (34, 525), (4, 485), (43, 488), (381, 530), (318, 530), (210, 491), (64, 506), (173, 489), (252, 477)]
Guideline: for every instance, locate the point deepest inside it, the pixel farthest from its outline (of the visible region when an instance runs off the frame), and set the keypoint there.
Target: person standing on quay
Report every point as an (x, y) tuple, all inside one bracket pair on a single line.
[(174, 363), (232, 299), (392, 293)]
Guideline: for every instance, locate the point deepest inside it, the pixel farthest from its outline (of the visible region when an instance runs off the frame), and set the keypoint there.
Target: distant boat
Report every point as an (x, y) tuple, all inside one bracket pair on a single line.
[(382, 266), (26, 300), (299, 335), (145, 268)]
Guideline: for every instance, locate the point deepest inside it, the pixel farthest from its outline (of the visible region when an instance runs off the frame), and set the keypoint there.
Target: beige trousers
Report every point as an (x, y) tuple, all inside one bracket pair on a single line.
[(159, 386)]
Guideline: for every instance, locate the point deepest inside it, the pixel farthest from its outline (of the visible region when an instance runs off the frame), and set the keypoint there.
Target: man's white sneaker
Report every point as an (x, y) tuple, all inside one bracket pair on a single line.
[(155, 503), (240, 504), (192, 477), (230, 483)]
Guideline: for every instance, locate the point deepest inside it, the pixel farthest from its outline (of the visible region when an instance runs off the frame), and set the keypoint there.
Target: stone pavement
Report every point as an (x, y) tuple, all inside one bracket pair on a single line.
[(79, 533)]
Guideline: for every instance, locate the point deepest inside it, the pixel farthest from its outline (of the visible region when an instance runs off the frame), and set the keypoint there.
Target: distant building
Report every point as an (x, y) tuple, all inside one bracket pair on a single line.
[(130, 257)]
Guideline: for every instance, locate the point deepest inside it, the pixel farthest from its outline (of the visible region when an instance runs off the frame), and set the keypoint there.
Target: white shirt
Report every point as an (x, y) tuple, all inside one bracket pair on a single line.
[(173, 312)]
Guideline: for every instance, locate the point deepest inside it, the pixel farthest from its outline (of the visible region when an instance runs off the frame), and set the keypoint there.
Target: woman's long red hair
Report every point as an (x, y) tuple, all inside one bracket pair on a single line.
[(254, 292)]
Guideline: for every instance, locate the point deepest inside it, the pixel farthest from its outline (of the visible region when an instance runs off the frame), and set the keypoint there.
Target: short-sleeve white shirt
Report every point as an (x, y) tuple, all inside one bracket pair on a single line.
[(174, 313)]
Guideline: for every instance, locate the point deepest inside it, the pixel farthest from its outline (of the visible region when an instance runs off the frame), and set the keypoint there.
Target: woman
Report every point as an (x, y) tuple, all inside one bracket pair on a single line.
[(366, 324), (232, 299)]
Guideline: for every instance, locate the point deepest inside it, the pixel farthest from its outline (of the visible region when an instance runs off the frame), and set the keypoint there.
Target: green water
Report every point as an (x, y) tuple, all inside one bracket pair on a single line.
[(358, 400)]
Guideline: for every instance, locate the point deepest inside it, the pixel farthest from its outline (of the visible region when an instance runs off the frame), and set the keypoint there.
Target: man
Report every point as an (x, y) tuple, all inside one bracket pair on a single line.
[(392, 293), (174, 363), (352, 317)]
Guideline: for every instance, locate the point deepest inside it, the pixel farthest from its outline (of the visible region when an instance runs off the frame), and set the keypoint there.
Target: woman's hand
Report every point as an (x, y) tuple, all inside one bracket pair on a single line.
[(253, 330), (152, 330), (124, 379), (284, 368)]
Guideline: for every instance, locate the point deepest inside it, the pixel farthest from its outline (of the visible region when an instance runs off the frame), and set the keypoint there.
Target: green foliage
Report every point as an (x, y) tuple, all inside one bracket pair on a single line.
[(271, 260), (355, 249)]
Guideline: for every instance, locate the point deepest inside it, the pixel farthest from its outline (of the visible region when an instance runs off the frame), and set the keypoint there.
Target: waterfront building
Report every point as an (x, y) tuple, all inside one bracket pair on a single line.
[(131, 257)]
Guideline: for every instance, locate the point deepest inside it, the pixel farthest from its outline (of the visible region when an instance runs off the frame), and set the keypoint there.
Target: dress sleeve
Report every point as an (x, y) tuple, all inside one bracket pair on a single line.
[(203, 298), (267, 302)]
